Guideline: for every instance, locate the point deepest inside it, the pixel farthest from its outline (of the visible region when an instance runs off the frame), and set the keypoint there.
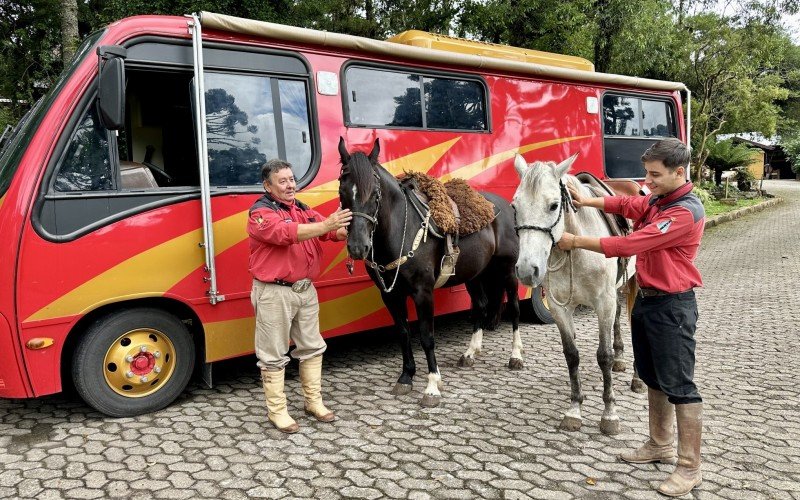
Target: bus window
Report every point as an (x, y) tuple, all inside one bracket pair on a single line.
[(454, 104), (86, 165), (630, 125), (251, 119), (382, 98)]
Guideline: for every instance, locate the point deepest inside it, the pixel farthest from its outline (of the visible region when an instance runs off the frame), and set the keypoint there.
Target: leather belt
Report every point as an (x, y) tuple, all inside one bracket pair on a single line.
[(298, 286), (655, 292)]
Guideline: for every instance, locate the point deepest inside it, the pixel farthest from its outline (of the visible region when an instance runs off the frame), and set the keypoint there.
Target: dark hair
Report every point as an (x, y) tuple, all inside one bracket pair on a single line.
[(671, 152), (272, 166)]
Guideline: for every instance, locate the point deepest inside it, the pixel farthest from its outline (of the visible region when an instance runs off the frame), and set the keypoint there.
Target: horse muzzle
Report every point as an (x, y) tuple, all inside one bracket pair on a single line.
[(529, 275), (358, 251)]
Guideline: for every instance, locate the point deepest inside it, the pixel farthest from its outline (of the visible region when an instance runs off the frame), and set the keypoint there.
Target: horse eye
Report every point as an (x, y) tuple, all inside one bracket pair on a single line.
[(553, 207)]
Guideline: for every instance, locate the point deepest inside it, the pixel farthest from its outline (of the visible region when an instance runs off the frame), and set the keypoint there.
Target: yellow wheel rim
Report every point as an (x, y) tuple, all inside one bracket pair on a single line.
[(139, 362)]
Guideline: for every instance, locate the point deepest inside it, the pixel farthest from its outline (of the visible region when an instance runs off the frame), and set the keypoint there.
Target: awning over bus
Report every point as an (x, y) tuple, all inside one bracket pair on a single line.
[(349, 42)]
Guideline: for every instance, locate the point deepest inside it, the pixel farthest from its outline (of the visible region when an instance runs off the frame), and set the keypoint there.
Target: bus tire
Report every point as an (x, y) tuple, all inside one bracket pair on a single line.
[(538, 309), (133, 362)]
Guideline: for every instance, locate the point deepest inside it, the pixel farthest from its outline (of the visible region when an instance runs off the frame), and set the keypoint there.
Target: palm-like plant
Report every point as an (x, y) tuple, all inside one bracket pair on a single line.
[(725, 155)]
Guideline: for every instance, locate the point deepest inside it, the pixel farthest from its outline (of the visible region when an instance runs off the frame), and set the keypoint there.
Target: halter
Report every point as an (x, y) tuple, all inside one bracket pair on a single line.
[(565, 200)]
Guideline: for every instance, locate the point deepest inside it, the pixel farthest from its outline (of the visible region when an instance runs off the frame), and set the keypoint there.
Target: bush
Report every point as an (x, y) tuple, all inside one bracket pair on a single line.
[(701, 193)]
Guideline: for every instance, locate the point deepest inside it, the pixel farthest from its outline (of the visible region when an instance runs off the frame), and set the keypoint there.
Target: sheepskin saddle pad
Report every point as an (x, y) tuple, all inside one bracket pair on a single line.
[(476, 212)]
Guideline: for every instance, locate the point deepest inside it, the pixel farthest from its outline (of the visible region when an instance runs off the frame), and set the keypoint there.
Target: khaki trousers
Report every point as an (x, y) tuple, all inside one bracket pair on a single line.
[(283, 315)]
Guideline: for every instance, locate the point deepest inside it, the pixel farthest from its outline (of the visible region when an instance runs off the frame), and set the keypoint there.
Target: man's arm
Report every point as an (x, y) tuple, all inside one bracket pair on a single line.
[(571, 241), (337, 220), (584, 201)]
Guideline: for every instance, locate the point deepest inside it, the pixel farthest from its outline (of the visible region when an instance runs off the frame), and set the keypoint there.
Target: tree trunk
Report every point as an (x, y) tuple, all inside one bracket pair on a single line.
[(69, 29)]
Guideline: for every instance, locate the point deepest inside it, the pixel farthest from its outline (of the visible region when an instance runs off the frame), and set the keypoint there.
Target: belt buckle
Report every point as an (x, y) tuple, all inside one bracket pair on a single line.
[(301, 286)]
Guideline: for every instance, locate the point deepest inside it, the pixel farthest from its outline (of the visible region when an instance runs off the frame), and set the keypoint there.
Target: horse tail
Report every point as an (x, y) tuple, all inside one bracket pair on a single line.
[(633, 289)]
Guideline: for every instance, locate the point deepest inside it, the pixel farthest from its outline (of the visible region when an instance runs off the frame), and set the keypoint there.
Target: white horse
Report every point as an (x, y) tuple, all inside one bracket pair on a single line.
[(578, 277)]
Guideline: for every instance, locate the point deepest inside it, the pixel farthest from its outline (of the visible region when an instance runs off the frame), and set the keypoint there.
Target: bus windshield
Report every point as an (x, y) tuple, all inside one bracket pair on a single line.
[(14, 145)]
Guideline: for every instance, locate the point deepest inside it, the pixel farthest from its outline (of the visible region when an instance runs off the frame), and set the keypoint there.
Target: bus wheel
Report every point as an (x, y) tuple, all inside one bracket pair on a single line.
[(133, 362), (539, 307)]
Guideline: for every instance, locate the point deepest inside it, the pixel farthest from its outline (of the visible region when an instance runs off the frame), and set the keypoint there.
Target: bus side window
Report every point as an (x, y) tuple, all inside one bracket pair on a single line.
[(630, 125), (251, 119), (86, 164)]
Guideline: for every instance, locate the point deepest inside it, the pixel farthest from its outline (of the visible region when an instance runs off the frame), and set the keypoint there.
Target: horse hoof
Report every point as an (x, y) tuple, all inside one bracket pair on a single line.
[(610, 426), (401, 389), (515, 364), (618, 366), (570, 424), (466, 361), (638, 386), (429, 401)]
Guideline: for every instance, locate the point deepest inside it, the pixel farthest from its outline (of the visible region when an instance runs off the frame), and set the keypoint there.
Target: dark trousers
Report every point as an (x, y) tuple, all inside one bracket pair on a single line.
[(662, 330)]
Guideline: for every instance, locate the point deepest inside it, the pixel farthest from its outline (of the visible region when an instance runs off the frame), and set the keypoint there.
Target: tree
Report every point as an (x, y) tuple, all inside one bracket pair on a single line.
[(69, 30)]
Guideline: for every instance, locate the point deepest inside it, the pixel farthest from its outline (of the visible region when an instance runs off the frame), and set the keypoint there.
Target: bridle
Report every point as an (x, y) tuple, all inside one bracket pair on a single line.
[(565, 203), (373, 219)]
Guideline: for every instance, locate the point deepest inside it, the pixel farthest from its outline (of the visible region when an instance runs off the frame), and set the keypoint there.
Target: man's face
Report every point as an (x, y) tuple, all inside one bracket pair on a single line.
[(281, 185), (660, 180)]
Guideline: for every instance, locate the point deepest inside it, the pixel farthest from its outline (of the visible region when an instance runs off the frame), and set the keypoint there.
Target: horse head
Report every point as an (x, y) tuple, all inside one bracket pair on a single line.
[(539, 204), (360, 191)]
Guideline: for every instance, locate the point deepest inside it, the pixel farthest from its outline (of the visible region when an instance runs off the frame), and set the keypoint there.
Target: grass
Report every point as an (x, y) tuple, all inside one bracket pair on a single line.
[(713, 207)]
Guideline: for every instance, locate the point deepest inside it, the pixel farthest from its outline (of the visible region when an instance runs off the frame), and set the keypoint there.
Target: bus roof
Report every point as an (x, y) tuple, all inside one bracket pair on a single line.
[(432, 55)]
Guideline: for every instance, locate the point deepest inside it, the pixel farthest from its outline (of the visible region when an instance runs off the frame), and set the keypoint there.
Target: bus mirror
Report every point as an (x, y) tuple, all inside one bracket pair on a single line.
[(111, 87)]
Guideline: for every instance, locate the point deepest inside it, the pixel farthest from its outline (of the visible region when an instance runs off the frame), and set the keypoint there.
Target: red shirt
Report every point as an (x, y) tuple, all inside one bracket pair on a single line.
[(665, 238), (275, 252)]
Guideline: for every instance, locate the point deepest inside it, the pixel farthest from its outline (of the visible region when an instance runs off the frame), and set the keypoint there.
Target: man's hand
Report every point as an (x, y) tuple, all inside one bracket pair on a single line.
[(567, 241), (577, 198), (341, 234), (580, 200), (337, 220)]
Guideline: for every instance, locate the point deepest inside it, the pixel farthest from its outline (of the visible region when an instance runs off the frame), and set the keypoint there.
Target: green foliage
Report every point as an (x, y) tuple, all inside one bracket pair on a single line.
[(701, 193), (725, 155), (792, 149)]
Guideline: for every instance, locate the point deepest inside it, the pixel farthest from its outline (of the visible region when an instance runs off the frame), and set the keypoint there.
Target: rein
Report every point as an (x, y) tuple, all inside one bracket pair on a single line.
[(422, 235)]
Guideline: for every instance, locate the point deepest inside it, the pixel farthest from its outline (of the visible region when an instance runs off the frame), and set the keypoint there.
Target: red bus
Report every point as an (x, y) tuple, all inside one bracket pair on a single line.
[(124, 191)]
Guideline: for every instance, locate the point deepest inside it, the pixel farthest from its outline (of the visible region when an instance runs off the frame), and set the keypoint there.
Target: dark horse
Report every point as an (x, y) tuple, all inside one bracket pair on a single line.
[(383, 231)]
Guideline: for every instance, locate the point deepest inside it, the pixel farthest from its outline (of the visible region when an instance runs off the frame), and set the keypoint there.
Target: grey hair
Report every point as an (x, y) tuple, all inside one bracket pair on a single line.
[(273, 166), (671, 152)]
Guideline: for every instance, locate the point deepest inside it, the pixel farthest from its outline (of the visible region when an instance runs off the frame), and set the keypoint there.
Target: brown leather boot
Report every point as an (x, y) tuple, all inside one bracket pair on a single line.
[(659, 447), (311, 380), (687, 473), (276, 402)]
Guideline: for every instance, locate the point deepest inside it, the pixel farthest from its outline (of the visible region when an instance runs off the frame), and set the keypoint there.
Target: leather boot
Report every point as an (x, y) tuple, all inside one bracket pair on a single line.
[(276, 401), (659, 448), (687, 472), (311, 380)]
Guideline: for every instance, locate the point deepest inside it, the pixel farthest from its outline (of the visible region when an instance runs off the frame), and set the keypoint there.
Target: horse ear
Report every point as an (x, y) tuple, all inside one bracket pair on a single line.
[(520, 165), (376, 149), (563, 167), (343, 154)]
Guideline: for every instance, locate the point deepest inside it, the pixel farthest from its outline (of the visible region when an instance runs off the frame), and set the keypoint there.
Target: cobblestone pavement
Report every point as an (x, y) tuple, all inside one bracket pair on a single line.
[(495, 434)]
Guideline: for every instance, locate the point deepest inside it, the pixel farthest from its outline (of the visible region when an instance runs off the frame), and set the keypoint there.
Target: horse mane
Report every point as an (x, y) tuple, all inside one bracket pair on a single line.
[(361, 169)]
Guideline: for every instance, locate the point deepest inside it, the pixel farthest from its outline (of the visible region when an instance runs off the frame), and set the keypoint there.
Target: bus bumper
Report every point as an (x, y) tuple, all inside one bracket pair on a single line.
[(12, 381)]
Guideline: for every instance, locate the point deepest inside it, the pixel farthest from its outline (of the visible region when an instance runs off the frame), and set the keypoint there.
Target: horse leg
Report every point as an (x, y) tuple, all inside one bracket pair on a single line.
[(637, 385), (512, 292), (619, 347), (423, 301), (399, 311), (572, 418), (609, 423), (477, 296)]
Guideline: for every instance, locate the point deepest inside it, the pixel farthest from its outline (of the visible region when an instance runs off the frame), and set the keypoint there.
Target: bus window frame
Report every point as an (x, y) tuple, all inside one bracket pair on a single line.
[(165, 196), (422, 72), (673, 107)]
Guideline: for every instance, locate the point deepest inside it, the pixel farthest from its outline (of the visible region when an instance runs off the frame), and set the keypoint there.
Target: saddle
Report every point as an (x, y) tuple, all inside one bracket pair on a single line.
[(453, 209), (617, 224)]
